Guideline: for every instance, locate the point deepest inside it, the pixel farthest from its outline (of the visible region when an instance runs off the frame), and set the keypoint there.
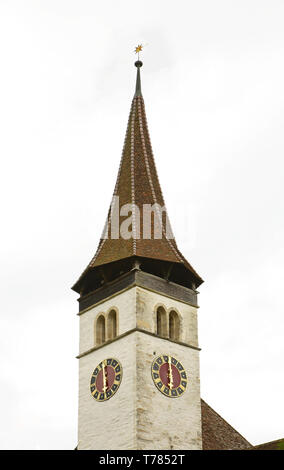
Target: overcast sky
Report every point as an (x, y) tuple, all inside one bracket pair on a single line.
[(212, 82)]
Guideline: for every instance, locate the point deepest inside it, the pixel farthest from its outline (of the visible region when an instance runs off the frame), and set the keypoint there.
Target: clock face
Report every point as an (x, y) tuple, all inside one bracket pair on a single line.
[(169, 376), (106, 379)]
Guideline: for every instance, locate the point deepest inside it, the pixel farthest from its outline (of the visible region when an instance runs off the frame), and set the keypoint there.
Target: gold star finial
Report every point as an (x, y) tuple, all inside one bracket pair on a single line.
[(138, 49)]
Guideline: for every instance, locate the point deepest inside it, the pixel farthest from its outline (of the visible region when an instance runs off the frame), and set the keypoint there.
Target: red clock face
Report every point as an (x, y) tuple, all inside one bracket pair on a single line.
[(106, 379), (169, 376)]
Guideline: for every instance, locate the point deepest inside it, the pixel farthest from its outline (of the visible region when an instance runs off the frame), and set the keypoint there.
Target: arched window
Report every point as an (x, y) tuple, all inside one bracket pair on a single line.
[(100, 330), (161, 322), (174, 326), (111, 325)]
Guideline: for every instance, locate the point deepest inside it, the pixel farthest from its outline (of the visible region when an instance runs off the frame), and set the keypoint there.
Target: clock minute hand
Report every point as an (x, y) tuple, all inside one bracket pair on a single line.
[(105, 386), (171, 382)]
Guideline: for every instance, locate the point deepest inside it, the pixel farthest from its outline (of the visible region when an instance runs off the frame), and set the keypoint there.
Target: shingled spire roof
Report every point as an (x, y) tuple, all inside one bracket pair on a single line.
[(138, 184)]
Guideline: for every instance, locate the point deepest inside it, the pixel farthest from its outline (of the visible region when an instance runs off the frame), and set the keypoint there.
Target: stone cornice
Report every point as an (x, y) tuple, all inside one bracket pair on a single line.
[(134, 330)]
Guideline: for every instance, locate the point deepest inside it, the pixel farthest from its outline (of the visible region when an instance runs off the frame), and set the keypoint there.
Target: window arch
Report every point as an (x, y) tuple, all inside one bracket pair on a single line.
[(100, 330), (174, 325), (161, 322), (112, 324)]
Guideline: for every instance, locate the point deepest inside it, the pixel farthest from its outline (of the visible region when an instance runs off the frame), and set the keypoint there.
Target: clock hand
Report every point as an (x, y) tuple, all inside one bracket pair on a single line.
[(170, 376), (105, 384)]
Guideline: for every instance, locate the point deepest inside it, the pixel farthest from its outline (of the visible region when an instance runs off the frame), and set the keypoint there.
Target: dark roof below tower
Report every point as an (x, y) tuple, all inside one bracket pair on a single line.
[(217, 434)]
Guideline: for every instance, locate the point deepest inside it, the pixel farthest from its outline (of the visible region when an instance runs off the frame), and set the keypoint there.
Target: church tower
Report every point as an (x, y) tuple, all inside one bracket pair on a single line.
[(139, 384)]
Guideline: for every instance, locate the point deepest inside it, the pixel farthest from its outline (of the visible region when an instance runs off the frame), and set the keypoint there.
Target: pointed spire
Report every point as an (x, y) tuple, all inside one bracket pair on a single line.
[(137, 187), (138, 91)]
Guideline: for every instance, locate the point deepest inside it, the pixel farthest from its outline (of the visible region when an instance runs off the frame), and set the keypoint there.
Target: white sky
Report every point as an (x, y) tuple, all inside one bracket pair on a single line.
[(212, 82)]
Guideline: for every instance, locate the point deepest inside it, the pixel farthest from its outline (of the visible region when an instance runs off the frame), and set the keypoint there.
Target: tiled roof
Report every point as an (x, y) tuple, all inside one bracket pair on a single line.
[(217, 434), (138, 184)]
